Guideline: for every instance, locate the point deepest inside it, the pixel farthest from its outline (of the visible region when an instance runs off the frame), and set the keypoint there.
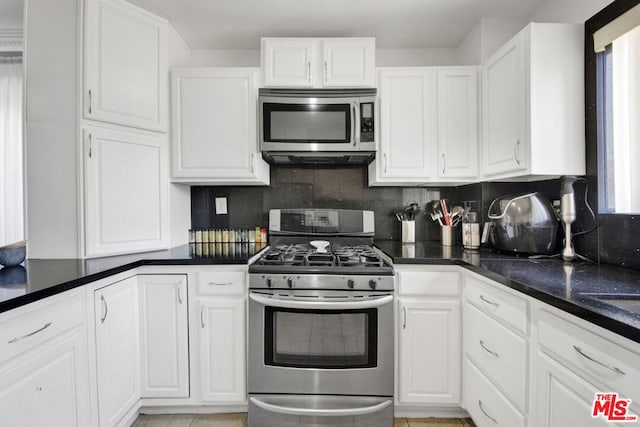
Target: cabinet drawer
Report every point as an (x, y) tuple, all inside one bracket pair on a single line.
[(611, 365), (229, 282), (500, 353), (486, 405), (507, 308), (441, 283), (36, 326)]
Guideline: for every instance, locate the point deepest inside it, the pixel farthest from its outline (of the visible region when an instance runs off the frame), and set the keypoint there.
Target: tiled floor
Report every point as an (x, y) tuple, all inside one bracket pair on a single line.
[(239, 420)]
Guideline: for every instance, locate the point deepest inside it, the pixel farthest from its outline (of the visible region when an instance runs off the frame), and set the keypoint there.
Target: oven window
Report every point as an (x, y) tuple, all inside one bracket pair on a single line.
[(326, 123), (331, 339)]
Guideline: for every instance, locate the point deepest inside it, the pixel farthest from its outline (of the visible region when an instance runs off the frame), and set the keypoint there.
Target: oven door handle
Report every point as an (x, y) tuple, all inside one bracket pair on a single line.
[(341, 412), (321, 305)]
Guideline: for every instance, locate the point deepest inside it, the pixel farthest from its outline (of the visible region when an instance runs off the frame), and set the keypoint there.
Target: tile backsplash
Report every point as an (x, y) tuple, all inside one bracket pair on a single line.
[(346, 188)]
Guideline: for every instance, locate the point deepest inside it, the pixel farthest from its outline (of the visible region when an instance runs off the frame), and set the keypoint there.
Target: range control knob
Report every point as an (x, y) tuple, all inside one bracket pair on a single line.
[(350, 283), (372, 284), (268, 282), (290, 282)]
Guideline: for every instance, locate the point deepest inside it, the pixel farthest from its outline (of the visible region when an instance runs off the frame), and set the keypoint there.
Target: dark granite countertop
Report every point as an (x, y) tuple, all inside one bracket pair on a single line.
[(568, 286), (603, 295), (40, 278)]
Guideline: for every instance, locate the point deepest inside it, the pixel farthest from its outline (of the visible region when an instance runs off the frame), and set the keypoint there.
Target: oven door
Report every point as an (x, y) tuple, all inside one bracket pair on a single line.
[(337, 343), (309, 124)]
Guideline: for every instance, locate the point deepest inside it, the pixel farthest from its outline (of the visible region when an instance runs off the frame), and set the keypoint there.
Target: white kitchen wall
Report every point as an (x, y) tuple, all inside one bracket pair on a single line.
[(572, 11), (486, 37)]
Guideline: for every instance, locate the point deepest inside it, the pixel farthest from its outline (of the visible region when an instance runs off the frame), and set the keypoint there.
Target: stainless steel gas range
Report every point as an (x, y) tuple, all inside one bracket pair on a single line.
[(320, 323)]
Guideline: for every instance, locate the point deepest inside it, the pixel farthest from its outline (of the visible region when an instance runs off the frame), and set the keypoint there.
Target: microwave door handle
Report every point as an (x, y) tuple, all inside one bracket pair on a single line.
[(329, 412), (355, 128), (321, 304)]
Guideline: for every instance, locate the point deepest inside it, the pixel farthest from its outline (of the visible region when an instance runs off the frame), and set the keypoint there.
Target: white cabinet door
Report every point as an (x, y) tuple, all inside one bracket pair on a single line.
[(126, 191), (164, 335), (214, 137), (222, 350), (47, 387), (504, 110), (117, 350), (564, 399), (458, 133), (348, 62), (125, 65), (429, 350), (287, 62), (407, 126)]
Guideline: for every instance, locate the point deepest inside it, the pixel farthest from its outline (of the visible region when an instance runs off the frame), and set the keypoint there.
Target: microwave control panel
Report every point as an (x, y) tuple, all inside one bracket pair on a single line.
[(366, 122)]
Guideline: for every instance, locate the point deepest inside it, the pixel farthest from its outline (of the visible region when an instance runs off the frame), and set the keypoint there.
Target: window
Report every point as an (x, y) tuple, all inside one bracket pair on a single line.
[(617, 108)]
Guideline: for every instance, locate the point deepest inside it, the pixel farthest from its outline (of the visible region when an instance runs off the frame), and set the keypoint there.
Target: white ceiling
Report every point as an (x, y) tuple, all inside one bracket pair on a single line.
[(239, 24)]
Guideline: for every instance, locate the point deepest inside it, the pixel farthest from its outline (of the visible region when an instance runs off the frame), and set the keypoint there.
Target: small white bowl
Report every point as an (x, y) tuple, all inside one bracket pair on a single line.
[(320, 245)]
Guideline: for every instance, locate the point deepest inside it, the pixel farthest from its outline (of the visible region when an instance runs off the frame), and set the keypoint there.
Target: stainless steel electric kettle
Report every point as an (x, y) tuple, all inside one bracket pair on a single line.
[(522, 224)]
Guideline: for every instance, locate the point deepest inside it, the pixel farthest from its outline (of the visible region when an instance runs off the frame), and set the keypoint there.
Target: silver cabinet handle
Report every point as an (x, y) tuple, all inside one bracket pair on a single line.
[(354, 112), (597, 362), (385, 163), (444, 163), (179, 294), (251, 162), (309, 71), (488, 301), (90, 144), (404, 317), (202, 316), (481, 405), (516, 152), (325, 71), (331, 412), (491, 352), (105, 309), (16, 339), (220, 283), (90, 101)]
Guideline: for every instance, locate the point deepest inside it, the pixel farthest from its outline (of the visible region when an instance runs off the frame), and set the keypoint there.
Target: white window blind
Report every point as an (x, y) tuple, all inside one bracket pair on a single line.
[(614, 29), (11, 162)]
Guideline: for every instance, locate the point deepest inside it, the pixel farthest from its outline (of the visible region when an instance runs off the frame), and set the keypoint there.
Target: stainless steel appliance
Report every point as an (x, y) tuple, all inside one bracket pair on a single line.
[(321, 347), (523, 223), (317, 125)]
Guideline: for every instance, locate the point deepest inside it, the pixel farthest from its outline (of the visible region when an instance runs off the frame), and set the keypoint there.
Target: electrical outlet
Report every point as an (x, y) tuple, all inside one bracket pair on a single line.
[(221, 205)]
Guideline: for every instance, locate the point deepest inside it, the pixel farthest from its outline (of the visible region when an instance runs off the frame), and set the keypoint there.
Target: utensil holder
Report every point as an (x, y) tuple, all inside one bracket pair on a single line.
[(446, 235), (408, 231)]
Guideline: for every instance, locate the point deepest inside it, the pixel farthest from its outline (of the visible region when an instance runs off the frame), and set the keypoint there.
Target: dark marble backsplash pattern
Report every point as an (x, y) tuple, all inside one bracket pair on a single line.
[(614, 242)]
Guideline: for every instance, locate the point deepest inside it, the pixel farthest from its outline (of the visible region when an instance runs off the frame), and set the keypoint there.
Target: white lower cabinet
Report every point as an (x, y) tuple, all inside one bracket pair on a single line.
[(428, 333), (563, 398), (117, 350), (43, 365), (496, 353), (218, 322), (222, 343), (164, 335)]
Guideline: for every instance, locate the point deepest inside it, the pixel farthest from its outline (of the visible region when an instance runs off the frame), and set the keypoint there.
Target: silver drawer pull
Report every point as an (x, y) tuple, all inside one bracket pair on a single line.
[(491, 352), (220, 283), (481, 406), (488, 301), (29, 334), (597, 362)]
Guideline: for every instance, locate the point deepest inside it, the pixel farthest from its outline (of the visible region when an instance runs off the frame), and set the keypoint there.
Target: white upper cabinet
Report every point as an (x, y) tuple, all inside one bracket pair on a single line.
[(125, 65), (458, 132), (407, 126), (214, 122), (428, 127), (126, 192), (310, 62), (533, 105)]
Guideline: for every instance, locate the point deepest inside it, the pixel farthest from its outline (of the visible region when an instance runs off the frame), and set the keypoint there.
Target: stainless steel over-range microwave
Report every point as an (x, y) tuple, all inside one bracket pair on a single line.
[(317, 125)]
